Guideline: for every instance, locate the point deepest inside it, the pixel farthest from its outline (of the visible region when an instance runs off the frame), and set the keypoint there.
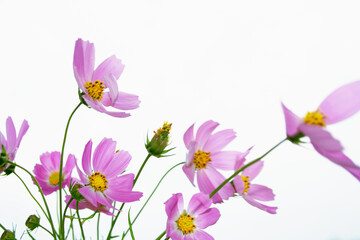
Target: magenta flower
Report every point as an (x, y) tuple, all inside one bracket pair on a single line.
[(253, 192), (85, 204), (339, 105), (189, 224), (93, 83), (12, 142), (47, 173), (205, 157), (102, 183)]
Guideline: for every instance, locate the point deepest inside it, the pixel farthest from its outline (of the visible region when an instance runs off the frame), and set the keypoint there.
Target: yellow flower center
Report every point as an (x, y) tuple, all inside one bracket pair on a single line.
[(315, 118), (201, 159), (186, 224), (95, 89), (98, 181), (54, 178), (246, 183), (165, 129)]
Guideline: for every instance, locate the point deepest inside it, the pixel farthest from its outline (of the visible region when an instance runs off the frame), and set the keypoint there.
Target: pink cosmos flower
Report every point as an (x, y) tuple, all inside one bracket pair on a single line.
[(12, 142), (253, 192), (47, 173), (339, 105), (93, 83), (205, 157), (102, 183), (189, 224), (85, 204)]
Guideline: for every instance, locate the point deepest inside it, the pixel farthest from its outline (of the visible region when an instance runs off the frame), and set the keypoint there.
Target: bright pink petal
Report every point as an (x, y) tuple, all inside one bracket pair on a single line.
[(204, 132), (263, 207), (84, 179), (239, 184), (10, 135), (253, 170), (69, 166), (260, 192), (111, 84), (200, 234), (189, 172), (41, 173), (219, 140), (111, 65), (84, 59), (241, 158), (174, 206), (122, 183), (321, 138), (103, 154), (207, 218), (55, 160), (189, 136), (124, 196), (118, 164), (47, 162), (23, 129), (224, 160), (342, 103), (86, 158), (89, 194), (292, 121), (100, 108), (126, 101), (198, 204), (100, 198)]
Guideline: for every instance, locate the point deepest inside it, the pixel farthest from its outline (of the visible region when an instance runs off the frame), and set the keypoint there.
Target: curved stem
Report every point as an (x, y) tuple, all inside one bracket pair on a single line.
[(122, 205), (45, 229), (66, 207), (161, 235), (42, 195), (147, 200), (243, 168), (78, 215), (61, 172), (2, 227)]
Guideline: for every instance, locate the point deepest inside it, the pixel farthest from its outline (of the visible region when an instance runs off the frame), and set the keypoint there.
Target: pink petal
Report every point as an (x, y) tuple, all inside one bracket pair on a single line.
[(122, 183), (84, 58), (342, 103), (241, 159), (41, 173), (292, 121), (321, 138), (239, 184), (253, 170), (260, 192), (100, 198), (174, 206), (207, 218), (198, 204), (224, 160), (84, 179), (55, 160), (89, 194), (111, 65), (100, 108), (342, 160), (3, 141), (103, 154), (200, 234), (86, 158), (23, 129), (189, 136), (204, 132), (189, 172), (124, 196), (118, 164), (47, 162), (111, 84), (219, 140), (69, 166), (126, 101), (10, 135), (263, 207)]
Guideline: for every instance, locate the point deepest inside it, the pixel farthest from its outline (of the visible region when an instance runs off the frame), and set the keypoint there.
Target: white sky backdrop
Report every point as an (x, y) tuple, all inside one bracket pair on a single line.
[(191, 61)]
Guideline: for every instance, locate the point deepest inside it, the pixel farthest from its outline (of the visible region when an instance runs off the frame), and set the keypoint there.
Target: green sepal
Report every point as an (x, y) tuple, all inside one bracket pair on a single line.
[(82, 100), (296, 139), (9, 170)]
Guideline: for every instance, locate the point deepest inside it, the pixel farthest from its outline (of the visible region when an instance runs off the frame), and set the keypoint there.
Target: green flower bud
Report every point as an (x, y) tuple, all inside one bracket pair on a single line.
[(156, 147), (32, 222), (8, 235), (74, 187)]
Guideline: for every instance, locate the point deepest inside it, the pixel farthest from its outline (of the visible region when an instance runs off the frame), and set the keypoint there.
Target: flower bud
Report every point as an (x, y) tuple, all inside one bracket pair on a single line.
[(156, 147), (8, 235), (32, 222), (74, 187)]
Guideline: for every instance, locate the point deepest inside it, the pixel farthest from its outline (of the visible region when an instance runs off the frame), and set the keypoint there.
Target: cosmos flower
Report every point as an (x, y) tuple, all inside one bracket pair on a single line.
[(47, 173), (205, 156), (189, 224), (93, 83), (101, 181), (12, 142), (253, 192), (339, 105), (85, 204)]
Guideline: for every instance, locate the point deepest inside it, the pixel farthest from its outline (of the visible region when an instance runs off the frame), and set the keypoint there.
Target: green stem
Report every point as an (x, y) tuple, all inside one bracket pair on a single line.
[(66, 207), (98, 223), (61, 173), (122, 205), (42, 209), (243, 168), (161, 235), (45, 229), (2, 227), (137, 215), (42, 195), (78, 215)]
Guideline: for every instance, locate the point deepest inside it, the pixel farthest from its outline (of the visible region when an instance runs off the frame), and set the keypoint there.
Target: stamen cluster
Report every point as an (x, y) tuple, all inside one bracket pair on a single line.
[(98, 181), (186, 223), (95, 89), (201, 158), (315, 118)]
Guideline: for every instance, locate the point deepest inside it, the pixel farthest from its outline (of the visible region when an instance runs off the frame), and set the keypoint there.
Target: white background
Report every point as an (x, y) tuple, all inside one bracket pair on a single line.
[(190, 61)]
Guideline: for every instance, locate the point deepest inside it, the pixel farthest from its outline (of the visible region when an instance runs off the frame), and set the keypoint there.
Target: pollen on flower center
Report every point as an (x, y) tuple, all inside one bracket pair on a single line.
[(315, 118), (246, 183), (201, 159), (98, 181), (54, 178), (186, 223), (95, 89)]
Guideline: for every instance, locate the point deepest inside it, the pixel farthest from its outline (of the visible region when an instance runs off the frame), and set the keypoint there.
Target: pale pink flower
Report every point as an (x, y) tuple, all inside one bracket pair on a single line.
[(101, 181), (12, 142), (205, 156), (339, 105), (93, 83), (85, 204), (47, 173), (252, 193), (188, 224)]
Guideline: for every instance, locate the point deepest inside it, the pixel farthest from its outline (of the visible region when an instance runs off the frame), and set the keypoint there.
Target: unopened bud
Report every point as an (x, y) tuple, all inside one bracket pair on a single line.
[(32, 222), (74, 191), (8, 235), (156, 147)]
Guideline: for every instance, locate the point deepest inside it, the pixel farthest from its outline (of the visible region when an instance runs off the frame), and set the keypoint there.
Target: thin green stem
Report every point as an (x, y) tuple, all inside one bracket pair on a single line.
[(32, 196), (71, 227), (66, 207), (45, 229), (42, 195), (98, 228), (122, 205), (161, 235), (2, 227), (147, 200), (78, 215), (243, 168), (61, 172)]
